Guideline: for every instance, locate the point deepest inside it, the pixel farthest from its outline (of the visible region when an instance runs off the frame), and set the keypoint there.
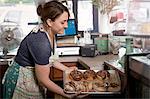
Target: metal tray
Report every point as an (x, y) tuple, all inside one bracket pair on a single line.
[(113, 74)]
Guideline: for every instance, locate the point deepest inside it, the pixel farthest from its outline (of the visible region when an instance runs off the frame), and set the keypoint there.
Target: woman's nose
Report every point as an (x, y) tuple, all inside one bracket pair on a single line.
[(66, 25)]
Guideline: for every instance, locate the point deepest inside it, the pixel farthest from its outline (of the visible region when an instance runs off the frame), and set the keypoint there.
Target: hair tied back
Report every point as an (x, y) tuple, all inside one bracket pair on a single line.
[(40, 9)]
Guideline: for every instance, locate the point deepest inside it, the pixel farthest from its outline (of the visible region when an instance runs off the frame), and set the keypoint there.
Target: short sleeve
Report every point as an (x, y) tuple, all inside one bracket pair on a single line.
[(39, 47)]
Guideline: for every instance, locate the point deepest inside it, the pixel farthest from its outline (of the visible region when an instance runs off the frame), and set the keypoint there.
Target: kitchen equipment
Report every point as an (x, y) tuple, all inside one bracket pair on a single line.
[(67, 50), (102, 44), (88, 50), (10, 38)]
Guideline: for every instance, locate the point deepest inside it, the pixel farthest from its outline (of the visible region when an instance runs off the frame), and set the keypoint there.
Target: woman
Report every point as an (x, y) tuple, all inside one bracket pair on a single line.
[(29, 73)]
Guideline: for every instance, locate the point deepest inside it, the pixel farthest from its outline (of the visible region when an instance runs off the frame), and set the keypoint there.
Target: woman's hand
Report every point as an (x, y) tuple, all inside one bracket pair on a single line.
[(62, 67)]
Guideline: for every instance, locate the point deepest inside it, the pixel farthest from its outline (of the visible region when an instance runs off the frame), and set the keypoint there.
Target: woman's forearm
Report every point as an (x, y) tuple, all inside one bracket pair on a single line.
[(60, 66), (42, 74)]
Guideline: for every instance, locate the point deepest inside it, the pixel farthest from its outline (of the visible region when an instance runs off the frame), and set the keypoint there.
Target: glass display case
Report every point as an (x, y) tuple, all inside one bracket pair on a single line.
[(138, 23)]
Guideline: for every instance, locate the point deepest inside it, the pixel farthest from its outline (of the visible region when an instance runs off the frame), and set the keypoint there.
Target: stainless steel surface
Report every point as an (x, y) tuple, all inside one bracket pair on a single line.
[(141, 65)]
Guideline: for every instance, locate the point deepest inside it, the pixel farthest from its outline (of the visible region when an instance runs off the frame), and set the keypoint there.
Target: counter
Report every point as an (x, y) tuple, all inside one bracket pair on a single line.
[(96, 63), (90, 62), (139, 77), (141, 66)]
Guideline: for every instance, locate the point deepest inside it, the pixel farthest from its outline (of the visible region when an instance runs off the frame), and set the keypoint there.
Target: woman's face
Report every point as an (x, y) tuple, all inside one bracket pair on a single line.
[(58, 26)]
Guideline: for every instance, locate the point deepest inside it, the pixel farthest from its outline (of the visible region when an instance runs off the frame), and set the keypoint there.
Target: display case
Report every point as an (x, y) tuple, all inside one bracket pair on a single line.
[(138, 26), (138, 23), (138, 76)]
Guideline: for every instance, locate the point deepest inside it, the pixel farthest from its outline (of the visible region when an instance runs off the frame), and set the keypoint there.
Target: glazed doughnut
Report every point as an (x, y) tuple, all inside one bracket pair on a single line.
[(76, 75)]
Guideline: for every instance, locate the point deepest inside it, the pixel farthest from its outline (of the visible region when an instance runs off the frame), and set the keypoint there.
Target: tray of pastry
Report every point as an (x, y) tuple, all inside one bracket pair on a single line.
[(92, 81)]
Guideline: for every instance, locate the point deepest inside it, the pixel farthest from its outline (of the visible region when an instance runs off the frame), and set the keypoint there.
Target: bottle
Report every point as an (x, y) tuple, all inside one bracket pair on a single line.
[(87, 36)]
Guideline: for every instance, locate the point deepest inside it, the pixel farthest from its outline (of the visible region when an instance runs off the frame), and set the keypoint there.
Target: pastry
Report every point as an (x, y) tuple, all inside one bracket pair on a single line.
[(89, 75), (113, 87), (84, 86), (80, 87), (103, 74), (76, 75), (99, 86), (88, 86), (70, 87)]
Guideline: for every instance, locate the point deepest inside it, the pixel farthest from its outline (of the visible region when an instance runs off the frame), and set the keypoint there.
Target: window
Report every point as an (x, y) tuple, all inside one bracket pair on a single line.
[(84, 11), (85, 14), (13, 16), (22, 13), (19, 17)]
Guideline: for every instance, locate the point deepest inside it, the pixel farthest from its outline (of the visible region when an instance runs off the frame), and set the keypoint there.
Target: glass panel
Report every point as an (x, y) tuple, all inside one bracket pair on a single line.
[(85, 15), (138, 18), (23, 13), (13, 16)]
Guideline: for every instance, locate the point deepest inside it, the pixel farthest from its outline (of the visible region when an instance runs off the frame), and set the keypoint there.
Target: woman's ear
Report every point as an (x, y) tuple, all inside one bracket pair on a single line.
[(49, 22)]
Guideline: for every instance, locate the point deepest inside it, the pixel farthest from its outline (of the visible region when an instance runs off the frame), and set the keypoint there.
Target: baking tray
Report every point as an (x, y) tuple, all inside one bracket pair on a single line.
[(114, 76)]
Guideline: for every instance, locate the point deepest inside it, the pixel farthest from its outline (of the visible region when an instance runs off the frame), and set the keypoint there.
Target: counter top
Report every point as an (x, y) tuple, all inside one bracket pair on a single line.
[(142, 59), (141, 65), (91, 62), (96, 63), (115, 65)]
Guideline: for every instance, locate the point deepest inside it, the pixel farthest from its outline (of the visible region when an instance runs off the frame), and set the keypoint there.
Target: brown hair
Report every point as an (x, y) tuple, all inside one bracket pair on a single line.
[(51, 10)]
